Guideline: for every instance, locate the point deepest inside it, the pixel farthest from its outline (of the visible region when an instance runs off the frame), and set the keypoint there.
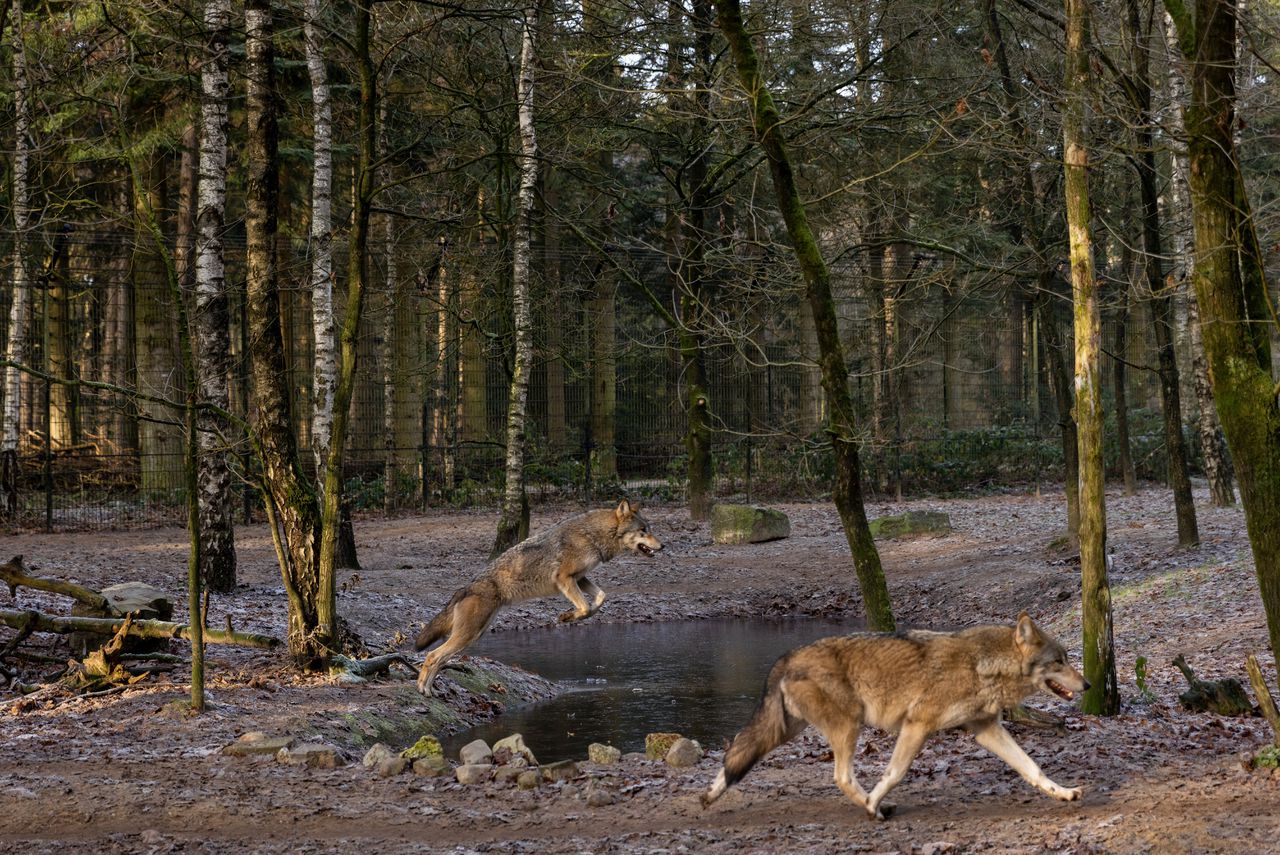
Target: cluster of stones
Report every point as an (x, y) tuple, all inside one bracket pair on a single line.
[(286, 749)]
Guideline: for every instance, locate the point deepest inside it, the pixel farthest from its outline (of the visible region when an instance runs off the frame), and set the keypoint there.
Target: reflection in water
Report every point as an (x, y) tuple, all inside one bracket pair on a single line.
[(701, 679)]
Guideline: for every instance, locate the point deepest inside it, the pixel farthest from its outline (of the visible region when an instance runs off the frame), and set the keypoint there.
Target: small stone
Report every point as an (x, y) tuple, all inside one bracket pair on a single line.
[(529, 779), (683, 753), (376, 755), (565, 770), (313, 755), (473, 773), (603, 754), (599, 796), (515, 747), (426, 746), (477, 753), (432, 767), (508, 774), (392, 766), (747, 524), (256, 743), (656, 745)]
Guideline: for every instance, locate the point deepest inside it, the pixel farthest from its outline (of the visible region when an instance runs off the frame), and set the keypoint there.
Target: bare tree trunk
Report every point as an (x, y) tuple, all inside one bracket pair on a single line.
[(847, 490), (513, 523), (213, 310), (19, 310), (443, 423), (1217, 462), (1231, 287), (1120, 378), (1103, 697), (1060, 388)]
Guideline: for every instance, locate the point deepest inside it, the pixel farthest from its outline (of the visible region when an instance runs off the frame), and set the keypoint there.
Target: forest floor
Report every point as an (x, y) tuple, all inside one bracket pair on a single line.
[(129, 773)]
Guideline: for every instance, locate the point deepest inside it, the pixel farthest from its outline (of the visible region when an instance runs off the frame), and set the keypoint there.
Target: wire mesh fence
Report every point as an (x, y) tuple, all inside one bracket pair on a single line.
[(951, 389)]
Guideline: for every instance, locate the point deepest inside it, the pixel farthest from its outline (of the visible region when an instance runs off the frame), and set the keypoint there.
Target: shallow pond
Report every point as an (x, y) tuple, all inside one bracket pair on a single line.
[(700, 678)]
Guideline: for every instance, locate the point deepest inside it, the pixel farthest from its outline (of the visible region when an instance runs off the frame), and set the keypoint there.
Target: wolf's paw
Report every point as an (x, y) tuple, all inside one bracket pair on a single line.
[(1068, 794), (570, 616), (424, 687), (883, 812)]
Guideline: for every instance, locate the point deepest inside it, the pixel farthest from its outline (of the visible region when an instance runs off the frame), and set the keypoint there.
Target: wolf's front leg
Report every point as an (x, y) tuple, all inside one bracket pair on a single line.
[(999, 742)]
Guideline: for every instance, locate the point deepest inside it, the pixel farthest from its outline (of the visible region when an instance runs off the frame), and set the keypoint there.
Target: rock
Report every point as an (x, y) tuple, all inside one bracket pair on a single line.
[(146, 601), (314, 755), (257, 742), (477, 753), (376, 755), (565, 770), (473, 773), (392, 766), (432, 767), (426, 746), (598, 796), (509, 774), (909, 524), (656, 745), (683, 753), (529, 779), (747, 524), (515, 747), (603, 754)]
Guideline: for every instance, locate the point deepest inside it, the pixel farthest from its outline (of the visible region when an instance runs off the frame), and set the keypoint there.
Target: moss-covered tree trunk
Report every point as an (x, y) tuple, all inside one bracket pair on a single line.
[(1103, 697), (289, 498), (1230, 285), (847, 489)]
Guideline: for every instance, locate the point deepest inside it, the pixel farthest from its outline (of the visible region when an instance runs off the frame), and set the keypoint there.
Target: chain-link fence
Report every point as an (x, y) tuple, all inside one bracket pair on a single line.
[(949, 385)]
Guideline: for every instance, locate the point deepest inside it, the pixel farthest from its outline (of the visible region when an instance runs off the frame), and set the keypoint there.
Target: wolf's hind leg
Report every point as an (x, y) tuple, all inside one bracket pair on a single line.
[(910, 740), (844, 742), (999, 742), (470, 617)]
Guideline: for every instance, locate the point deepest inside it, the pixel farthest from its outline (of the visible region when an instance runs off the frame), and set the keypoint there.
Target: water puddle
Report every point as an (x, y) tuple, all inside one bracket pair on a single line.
[(699, 678)]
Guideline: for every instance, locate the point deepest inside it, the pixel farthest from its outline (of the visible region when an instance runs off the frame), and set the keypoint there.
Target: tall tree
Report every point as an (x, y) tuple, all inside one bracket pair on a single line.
[(212, 308), (19, 309), (1231, 287), (769, 130), (513, 523), (1139, 90), (1103, 697)]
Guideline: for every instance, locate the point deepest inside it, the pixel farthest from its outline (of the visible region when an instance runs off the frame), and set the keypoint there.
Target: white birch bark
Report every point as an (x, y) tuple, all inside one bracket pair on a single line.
[(15, 349), (513, 524), (213, 316), (324, 379)]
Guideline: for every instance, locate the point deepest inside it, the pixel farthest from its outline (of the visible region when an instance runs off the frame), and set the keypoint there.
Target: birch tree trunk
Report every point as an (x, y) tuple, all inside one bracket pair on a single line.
[(213, 311), (321, 236), (19, 310), (1103, 697), (513, 523), (1231, 287), (847, 490)]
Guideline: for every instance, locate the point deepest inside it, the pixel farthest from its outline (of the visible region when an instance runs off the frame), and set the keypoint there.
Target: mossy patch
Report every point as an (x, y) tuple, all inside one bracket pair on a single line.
[(426, 746), (910, 524)]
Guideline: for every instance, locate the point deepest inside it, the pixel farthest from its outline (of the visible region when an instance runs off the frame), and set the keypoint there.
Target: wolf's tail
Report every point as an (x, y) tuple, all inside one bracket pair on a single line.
[(442, 624), (770, 726)]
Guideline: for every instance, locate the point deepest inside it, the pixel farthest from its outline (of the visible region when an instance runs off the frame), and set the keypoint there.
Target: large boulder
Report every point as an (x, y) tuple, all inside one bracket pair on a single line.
[(910, 524), (747, 524)]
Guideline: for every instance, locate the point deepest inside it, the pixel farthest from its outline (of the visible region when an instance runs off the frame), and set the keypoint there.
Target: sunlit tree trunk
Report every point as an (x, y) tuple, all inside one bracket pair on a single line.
[(513, 521), (1103, 697), (1231, 286), (19, 309), (1120, 379), (213, 309), (847, 489), (1217, 464)]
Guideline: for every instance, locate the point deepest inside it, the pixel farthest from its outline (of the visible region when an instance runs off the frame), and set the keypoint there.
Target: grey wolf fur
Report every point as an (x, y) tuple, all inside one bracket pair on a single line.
[(555, 560), (912, 683)]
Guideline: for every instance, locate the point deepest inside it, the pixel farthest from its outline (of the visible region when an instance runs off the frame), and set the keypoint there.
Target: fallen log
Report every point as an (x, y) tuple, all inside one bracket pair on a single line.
[(139, 629), (14, 574), (1265, 701)]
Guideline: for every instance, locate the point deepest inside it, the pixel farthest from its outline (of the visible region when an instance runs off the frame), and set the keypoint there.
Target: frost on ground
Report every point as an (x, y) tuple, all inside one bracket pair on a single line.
[(124, 773)]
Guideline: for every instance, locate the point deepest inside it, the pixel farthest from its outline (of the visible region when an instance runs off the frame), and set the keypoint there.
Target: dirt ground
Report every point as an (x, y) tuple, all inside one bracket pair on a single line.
[(127, 773)]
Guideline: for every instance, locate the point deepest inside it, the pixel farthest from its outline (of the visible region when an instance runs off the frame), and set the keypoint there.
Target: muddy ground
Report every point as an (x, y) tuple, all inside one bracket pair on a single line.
[(128, 772)]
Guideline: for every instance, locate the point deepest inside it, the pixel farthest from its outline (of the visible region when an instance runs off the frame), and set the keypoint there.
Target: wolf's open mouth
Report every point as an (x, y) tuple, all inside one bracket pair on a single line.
[(1059, 690), (644, 550)]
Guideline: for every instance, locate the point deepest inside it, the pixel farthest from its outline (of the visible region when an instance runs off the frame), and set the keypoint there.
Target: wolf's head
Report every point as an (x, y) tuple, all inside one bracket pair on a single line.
[(1044, 661), (633, 530)]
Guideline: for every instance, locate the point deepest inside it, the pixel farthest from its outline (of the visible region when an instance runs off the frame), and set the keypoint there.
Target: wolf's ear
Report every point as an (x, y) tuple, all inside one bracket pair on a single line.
[(623, 510), (1025, 633)]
